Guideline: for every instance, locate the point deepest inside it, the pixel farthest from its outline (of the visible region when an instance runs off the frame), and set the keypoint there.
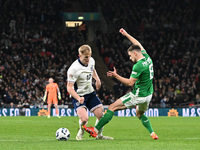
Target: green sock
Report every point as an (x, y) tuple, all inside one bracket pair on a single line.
[(105, 119), (146, 123)]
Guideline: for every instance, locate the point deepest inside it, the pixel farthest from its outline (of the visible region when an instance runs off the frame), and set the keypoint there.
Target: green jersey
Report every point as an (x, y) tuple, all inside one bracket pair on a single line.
[(143, 71)]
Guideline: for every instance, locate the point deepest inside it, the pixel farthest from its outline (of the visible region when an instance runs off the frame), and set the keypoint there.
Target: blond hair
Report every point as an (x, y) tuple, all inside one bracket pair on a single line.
[(85, 50), (51, 79)]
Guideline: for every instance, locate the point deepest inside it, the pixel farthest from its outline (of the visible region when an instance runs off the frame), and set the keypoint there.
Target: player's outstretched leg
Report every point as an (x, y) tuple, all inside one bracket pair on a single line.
[(93, 131), (100, 135)]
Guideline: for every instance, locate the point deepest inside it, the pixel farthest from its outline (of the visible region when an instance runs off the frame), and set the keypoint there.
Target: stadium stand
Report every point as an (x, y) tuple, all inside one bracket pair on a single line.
[(170, 37), (34, 46)]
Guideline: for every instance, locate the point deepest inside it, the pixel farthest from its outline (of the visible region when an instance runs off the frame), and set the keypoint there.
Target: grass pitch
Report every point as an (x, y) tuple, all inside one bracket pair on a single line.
[(38, 133)]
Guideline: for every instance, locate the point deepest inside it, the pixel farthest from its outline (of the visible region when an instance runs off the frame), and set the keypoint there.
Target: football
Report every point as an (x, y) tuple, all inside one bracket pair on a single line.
[(62, 134)]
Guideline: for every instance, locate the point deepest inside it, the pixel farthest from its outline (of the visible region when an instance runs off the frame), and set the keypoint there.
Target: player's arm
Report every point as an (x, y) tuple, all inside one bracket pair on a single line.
[(96, 77), (126, 81), (73, 93), (59, 94), (131, 38), (45, 95)]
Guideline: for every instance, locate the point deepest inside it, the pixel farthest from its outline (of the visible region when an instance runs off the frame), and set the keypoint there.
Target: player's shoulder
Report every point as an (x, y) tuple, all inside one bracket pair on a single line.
[(145, 54), (139, 65), (92, 60), (47, 86), (74, 66), (75, 63), (143, 51)]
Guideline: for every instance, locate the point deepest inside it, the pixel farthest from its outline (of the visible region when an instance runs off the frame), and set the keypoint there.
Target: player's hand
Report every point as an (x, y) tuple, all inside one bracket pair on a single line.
[(112, 73), (59, 97), (123, 32), (44, 98), (98, 84), (81, 100)]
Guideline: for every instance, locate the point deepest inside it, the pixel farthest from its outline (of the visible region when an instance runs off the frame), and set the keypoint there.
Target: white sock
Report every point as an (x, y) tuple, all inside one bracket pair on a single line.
[(98, 131), (81, 124), (152, 133)]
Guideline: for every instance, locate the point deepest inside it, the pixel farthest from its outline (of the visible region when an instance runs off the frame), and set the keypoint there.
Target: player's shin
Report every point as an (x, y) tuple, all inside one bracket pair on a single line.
[(146, 123), (80, 133), (81, 124), (105, 119)]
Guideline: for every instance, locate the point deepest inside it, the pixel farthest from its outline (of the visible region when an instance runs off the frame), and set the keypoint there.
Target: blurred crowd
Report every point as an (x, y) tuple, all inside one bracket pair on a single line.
[(169, 31), (35, 45)]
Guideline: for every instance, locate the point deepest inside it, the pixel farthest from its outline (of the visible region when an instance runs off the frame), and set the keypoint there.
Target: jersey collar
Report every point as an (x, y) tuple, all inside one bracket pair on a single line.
[(81, 63), (141, 59)]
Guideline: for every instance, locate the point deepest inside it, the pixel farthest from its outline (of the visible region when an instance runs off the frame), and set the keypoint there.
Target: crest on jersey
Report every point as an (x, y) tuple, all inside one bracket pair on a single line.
[(77, 103), (92, 68), (71, 75)]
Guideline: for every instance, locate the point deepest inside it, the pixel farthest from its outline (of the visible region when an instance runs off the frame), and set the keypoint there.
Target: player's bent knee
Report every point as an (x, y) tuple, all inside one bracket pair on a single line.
[(112, 107)]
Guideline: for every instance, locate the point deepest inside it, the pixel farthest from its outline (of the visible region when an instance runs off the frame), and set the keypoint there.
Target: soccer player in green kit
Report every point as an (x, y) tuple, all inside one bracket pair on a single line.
[(142, 76)]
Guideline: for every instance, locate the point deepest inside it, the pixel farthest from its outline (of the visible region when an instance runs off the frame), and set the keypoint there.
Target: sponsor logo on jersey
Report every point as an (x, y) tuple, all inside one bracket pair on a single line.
[(133, 72)]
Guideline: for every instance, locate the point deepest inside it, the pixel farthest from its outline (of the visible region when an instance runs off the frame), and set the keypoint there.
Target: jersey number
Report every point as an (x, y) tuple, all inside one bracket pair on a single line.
[(89, 76), (151, 71)]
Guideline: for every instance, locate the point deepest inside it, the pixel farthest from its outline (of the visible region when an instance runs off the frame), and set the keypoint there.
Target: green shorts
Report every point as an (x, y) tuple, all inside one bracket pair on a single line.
[(130, 101)]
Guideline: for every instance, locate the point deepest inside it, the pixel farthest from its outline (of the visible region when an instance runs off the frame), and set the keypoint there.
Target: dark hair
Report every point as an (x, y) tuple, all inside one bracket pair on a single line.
[(134, 47)]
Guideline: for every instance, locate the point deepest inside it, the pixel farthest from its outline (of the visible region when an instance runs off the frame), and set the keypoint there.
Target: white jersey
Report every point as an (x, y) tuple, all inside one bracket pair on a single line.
[(82, 75)]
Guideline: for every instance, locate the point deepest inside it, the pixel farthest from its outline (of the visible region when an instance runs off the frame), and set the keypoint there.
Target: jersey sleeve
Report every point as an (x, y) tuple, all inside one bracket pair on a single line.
[(47, 87), (72, 75), (136, 71), (92, 61), (144, 53)]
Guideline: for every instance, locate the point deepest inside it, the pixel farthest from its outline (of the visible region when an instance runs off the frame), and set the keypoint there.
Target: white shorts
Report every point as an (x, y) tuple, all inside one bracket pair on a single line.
[(130, 101)]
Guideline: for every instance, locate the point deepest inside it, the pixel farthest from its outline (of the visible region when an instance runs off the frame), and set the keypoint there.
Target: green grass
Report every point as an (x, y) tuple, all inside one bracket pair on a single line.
[(38, 133)]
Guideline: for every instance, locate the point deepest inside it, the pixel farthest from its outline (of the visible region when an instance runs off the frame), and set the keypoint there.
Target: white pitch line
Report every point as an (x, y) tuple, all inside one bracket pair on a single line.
[(71, 139), (23, 140), (1, 140), (192, 138)]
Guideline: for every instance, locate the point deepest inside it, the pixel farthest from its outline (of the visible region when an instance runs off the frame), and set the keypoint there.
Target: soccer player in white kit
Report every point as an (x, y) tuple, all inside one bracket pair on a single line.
[(84, 97)]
